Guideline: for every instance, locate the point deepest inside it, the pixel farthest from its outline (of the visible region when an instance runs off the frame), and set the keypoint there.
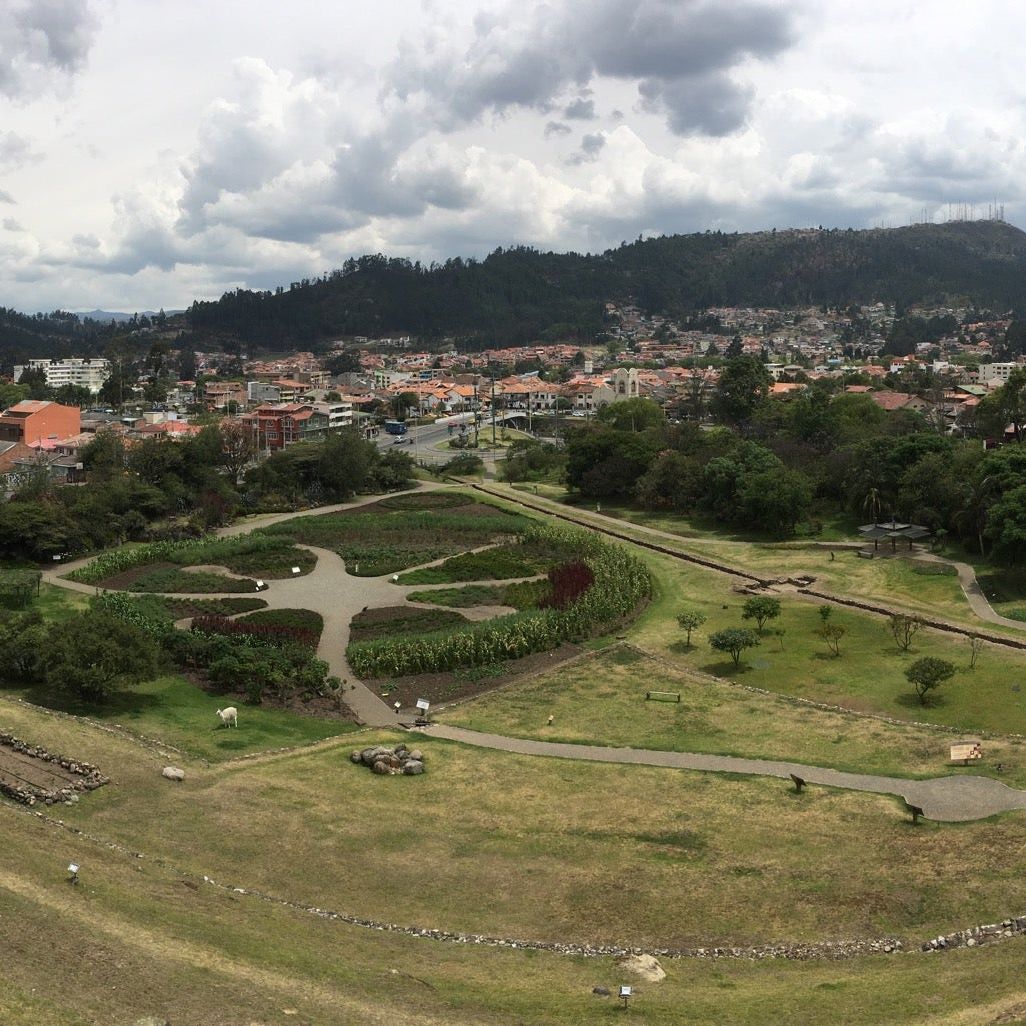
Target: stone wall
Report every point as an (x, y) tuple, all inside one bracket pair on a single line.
[(80, 776)]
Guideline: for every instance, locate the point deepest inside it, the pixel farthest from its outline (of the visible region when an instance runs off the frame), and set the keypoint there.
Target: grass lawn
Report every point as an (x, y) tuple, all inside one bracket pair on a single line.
[(891, 581), (868, 675), (164, 945), (56, 603), (176, 711), (601, 700), (550, 849)]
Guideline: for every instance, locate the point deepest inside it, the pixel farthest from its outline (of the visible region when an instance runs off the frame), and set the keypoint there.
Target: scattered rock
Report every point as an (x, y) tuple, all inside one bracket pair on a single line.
[(601, 991), (413, 768), (173, 773), (644, 966)]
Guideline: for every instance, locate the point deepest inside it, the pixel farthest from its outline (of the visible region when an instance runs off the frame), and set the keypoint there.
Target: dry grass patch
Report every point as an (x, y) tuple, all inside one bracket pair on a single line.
[(554, 849), (601, 700)]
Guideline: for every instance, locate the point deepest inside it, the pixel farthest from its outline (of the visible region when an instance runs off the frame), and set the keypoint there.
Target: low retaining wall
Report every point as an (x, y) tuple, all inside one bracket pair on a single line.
[(81, 776)]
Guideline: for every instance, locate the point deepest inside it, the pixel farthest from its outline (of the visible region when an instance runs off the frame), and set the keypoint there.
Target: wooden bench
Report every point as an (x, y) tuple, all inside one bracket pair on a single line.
[(662, 696)]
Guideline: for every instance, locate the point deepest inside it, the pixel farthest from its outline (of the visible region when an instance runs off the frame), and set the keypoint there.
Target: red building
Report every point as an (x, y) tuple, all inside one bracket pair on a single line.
[(276, 425)]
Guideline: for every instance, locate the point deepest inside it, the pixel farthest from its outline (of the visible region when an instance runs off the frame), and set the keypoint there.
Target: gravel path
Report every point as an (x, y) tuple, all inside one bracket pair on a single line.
[(950, 799)]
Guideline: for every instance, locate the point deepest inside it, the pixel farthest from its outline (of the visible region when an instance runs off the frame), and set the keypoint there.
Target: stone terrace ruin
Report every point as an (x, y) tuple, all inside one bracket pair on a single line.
[(31, 775)]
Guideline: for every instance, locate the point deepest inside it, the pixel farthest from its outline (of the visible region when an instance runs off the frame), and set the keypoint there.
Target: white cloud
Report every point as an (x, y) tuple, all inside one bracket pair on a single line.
[(42, 40), (274, 145)]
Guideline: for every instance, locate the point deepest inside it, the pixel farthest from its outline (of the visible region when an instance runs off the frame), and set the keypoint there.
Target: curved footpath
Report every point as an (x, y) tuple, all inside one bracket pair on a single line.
[(338, 596), (950, 799)]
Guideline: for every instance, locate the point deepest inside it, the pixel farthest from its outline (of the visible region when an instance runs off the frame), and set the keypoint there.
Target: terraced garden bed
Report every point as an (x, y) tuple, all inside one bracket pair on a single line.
[(391, 620), (391, 535)]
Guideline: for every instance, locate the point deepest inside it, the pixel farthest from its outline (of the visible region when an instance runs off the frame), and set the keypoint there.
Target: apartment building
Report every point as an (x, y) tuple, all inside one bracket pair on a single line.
[(84, 372)]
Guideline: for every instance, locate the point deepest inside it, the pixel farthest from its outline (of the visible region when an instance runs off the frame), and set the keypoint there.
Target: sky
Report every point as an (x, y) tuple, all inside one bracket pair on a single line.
[(153, 153)]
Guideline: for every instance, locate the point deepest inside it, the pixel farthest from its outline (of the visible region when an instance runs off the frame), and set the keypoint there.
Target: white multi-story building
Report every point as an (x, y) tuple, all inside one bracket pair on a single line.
[(339, 413), (994, 374), (84, 372)]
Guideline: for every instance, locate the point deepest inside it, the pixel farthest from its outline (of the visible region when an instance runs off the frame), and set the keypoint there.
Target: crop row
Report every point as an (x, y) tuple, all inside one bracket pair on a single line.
[(621, 582), (237, 553)]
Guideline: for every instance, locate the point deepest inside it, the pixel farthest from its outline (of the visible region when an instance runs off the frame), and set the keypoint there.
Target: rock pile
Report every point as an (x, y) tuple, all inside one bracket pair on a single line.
[(975, 935), (390, 761)]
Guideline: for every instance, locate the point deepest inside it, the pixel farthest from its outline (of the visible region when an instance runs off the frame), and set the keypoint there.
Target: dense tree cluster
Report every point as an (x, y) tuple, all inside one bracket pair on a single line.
[(157, 488), (778, 466)]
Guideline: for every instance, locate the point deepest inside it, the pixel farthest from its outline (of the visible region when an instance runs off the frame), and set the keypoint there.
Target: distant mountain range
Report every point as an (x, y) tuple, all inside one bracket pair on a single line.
[(521, 295), (119, 316)]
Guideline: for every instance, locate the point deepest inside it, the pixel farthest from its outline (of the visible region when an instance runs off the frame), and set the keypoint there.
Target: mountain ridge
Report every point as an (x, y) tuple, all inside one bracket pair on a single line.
[(517, 295)]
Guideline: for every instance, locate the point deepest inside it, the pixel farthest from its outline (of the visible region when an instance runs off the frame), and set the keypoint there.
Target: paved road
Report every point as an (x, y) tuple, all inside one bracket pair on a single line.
[(951, 799)]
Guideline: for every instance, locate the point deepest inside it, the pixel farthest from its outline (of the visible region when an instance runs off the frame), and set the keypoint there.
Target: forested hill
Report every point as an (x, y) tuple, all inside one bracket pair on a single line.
[(519, 295), (58, 334)]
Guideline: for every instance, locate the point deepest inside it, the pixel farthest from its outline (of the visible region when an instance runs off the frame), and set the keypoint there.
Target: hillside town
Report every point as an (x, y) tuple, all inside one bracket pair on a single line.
[(301, 395)]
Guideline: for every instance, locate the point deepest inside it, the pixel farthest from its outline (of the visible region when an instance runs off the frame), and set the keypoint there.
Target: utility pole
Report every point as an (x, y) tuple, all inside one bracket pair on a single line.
[(493, 409)]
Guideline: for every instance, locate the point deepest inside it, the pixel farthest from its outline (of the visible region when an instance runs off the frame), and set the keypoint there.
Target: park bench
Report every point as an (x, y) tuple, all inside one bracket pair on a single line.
[(662, 696)]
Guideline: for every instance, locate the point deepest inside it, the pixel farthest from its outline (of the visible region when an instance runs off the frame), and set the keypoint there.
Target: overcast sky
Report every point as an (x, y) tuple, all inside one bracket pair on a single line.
[(155, 152)]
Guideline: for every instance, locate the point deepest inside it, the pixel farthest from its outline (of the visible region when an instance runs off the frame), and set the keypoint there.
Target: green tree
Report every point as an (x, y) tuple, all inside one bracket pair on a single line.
[(1006, 527), (633, 415), (734, 640), (904, 628), (94, 655), (402, 404), (775, 500), (927, 674), (760, 608), (744, 384), (690, 620), (11, 394)]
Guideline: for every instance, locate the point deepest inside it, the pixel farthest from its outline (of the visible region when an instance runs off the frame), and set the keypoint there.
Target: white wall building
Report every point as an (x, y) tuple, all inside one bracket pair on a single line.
[(83, 372), (994, 374)]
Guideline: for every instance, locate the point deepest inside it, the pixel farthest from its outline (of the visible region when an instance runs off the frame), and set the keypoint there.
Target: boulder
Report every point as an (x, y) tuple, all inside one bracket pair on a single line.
[(416, 754), (355, 757), (381, 768), (173, 773), (413, 767)]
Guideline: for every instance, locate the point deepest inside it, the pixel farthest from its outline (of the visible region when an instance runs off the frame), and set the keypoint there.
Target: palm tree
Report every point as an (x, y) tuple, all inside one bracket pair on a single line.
[(872, 503), (972, 516)]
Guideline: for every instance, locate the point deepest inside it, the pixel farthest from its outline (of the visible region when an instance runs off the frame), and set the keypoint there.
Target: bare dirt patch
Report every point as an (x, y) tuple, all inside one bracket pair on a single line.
[(124, 580)]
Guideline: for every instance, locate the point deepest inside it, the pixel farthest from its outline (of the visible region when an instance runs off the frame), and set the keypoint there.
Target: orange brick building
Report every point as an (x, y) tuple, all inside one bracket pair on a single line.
[(33, 419)]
